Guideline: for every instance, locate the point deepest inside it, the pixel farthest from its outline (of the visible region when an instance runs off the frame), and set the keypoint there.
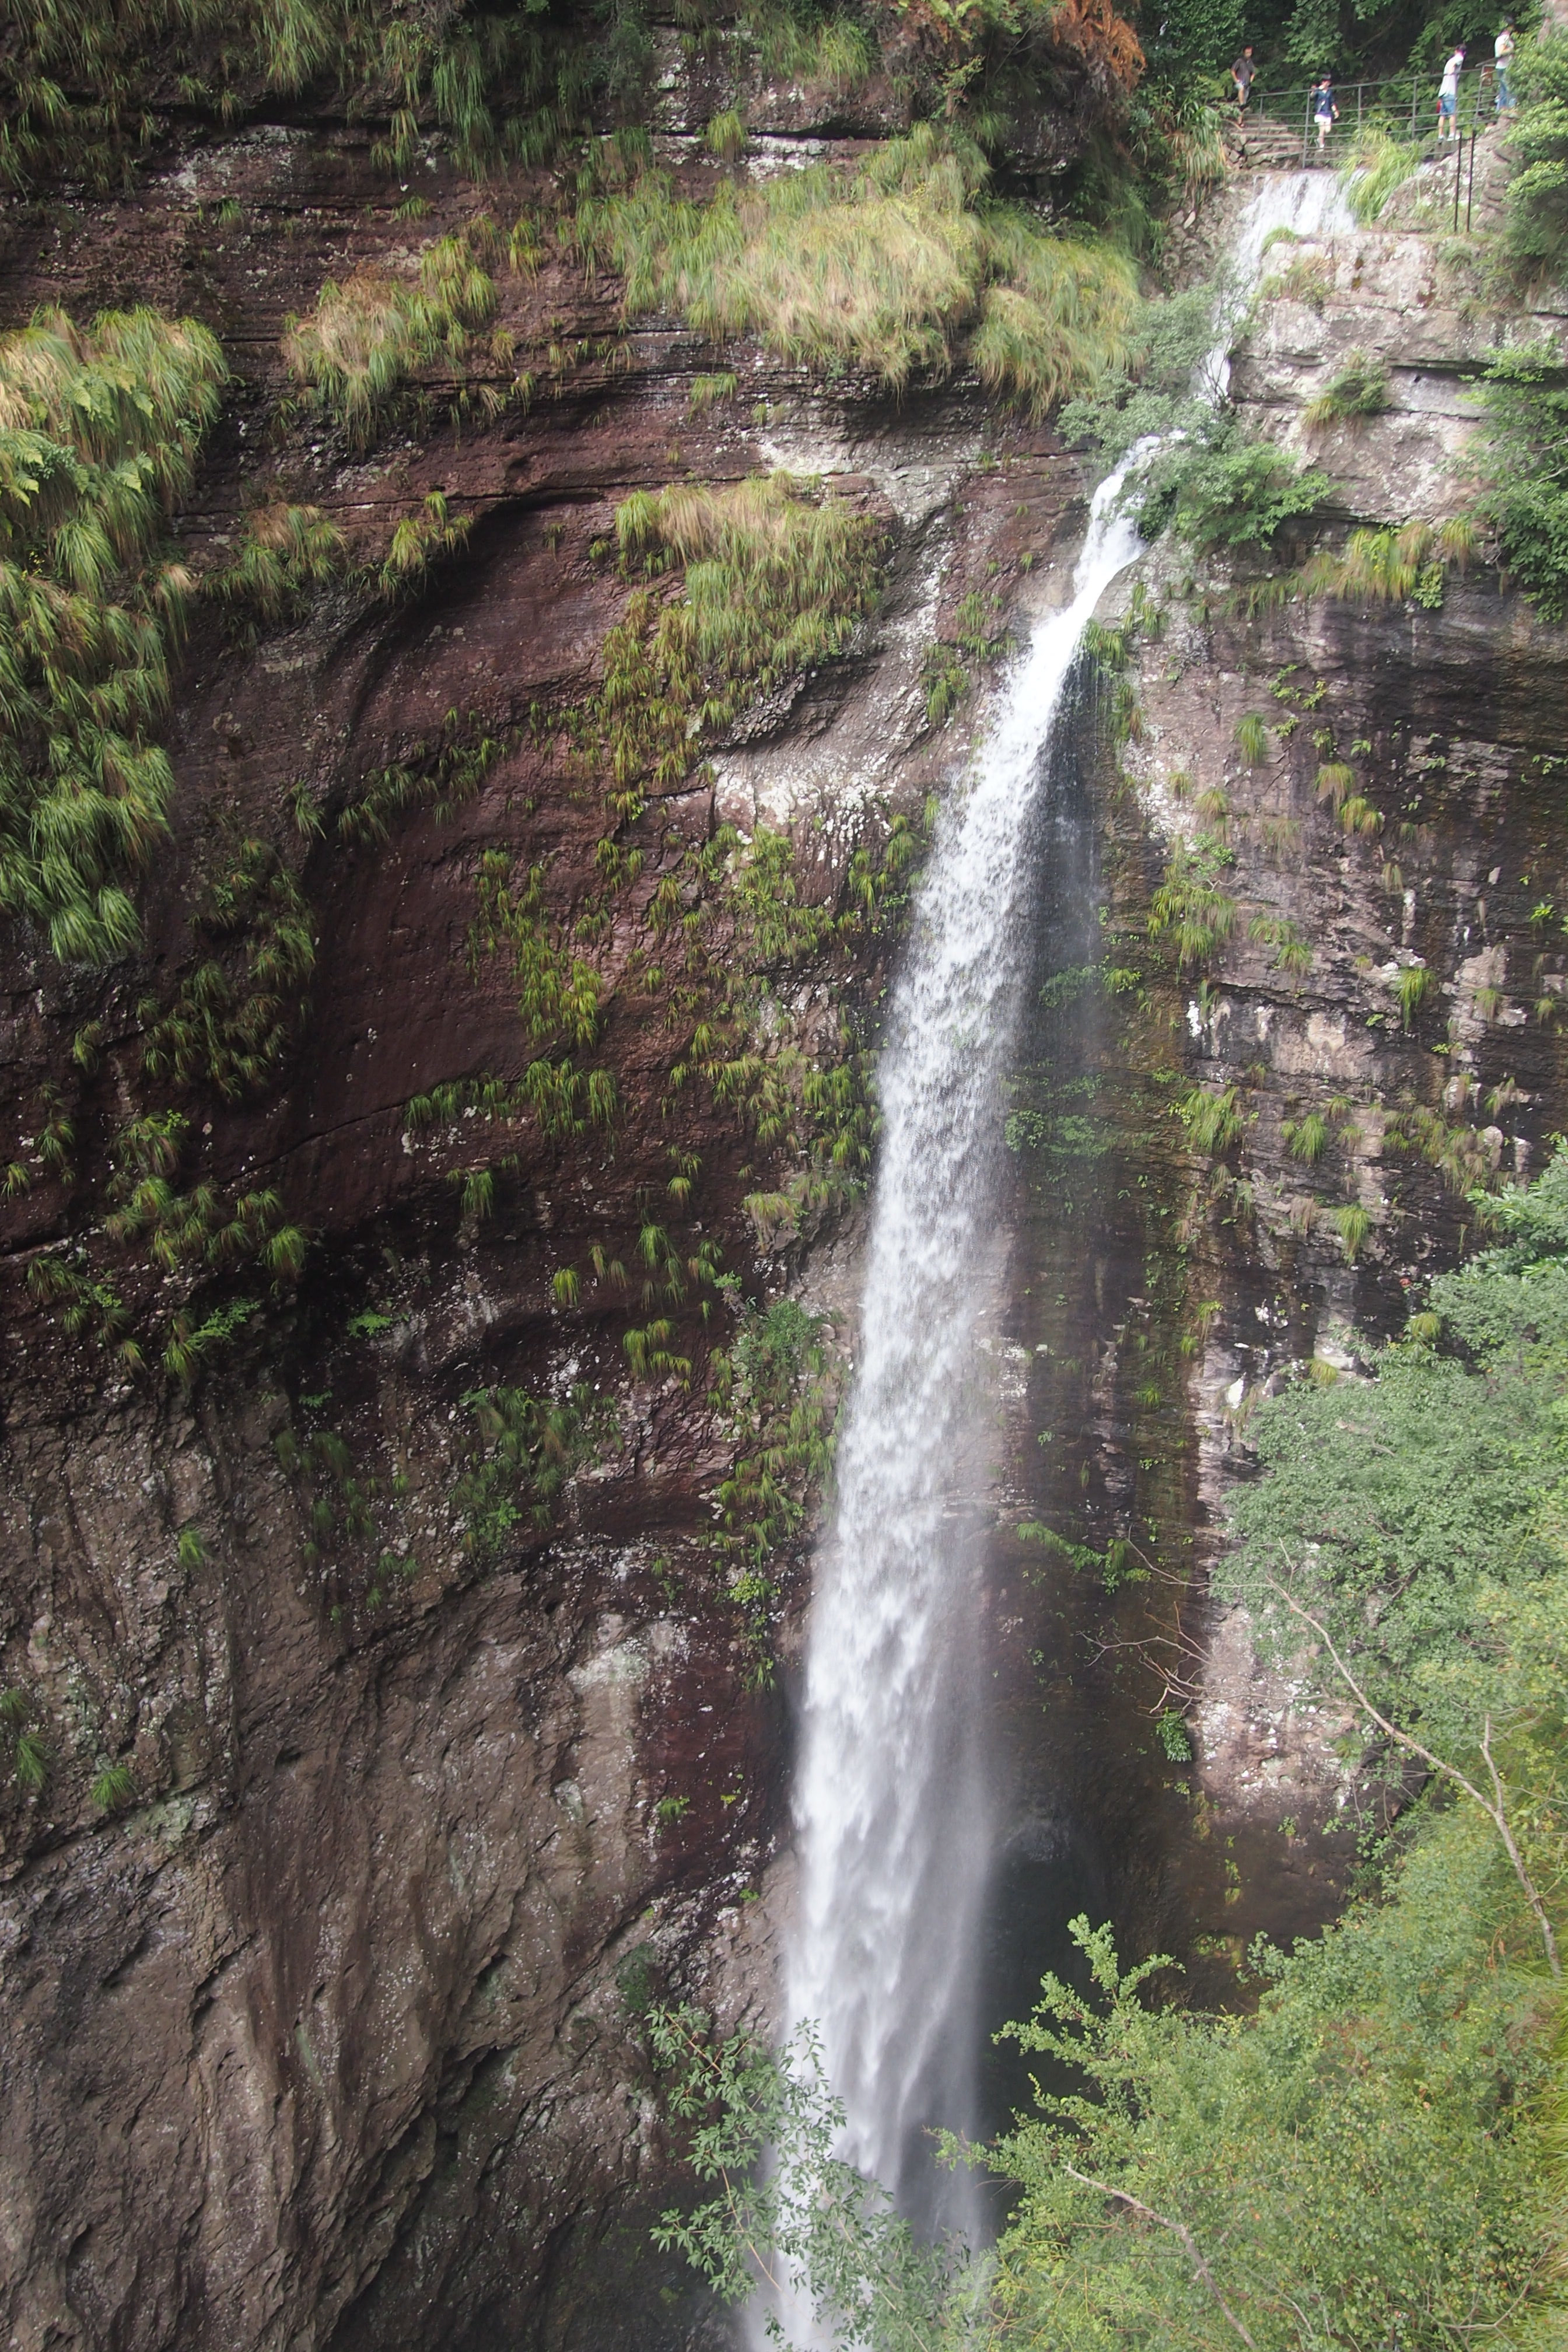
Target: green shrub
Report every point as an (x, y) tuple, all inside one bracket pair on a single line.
[(1372, 167), (1525, 392), (99, 433), (1537, 229), (1238, 496)]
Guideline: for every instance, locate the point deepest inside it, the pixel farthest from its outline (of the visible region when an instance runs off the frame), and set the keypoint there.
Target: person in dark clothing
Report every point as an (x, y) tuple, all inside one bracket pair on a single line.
[(1243, 73)]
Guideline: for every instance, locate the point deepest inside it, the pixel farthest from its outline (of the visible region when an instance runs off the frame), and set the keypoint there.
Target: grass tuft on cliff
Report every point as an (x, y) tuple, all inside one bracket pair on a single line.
[(99, 428), (894, 269), (356, 353)]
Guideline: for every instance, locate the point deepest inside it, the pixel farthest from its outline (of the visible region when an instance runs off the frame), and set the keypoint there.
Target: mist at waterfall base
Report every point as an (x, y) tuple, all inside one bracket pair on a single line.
[(889, 1957)]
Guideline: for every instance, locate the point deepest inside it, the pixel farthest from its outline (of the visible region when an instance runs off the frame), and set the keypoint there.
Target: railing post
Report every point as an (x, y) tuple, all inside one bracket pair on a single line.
[(1470, 190)]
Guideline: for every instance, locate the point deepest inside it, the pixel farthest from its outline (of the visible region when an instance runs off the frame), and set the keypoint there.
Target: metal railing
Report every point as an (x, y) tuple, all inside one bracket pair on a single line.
[(1404, 106)]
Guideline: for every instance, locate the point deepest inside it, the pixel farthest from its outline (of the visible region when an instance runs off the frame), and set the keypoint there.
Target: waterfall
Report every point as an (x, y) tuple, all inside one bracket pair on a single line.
[(890, 1806)]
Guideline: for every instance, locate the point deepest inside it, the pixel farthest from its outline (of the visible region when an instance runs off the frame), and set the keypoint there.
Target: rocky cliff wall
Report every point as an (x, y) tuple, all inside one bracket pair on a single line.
[(321, 2005)]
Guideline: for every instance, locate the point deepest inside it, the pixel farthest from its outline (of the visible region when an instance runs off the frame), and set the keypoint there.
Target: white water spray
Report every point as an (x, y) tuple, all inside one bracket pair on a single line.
[(890, 1807), (891, 1816)]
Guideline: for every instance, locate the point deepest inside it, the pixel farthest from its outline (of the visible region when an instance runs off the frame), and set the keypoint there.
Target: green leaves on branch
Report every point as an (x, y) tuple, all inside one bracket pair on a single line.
[(1537, 226), (790, 2216), (99, 433), (1525, 444)]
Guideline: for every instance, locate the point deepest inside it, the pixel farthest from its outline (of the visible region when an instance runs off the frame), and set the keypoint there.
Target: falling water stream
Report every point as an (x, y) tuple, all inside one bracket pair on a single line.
[(892, 1825)]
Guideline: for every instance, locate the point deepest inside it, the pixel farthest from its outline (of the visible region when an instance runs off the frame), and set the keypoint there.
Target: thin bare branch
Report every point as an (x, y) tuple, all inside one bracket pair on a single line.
[(1495, 1812), (1178, 2229)]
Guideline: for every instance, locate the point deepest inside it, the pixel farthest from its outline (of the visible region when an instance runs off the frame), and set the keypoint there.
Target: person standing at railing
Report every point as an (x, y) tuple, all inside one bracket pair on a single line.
[(1448, 93), (1325, 113), (1502, 49), (1243, 73)]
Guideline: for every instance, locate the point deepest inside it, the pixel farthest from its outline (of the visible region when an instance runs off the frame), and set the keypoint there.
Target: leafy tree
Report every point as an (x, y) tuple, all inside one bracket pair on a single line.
[(1537, 231), (1526, 459), (1374, 2158), (790, 2216)]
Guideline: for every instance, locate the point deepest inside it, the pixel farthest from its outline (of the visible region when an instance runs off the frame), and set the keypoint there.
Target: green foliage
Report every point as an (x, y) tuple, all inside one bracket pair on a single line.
[(1212, 1119), (1357, 390), (1347, 2166), (440, 775), (29, 1751), (1413, 983), (98, 434), (803, 2216), (1237, 495), (1526, 459), (1536, 235), (1176, 1739), (1372, 2154), (1190, 907), (237, 1015), (91, 1307), (883, 270), (113, 1787), (283, 550), (1387, 566), (1415, 1512), (419, 540), (775, 1390), (1252, 739), (774, 581), (1151, 391), (357, 351), (945, 679), (523, 1451), (1372, 167)]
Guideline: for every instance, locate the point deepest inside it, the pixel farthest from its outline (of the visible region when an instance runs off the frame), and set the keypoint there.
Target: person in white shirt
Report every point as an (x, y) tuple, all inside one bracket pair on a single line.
[(1502, 49), (1448, 93)]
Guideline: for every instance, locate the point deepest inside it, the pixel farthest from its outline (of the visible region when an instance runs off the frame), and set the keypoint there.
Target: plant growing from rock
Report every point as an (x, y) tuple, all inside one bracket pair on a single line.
[(1356, 391), (99, 429)]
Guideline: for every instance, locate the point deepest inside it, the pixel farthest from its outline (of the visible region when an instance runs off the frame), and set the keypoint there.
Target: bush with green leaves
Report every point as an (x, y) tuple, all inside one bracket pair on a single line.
[(1373, 2155), (99, 427), (1537, 226), (1525, 455), (1230, 494)]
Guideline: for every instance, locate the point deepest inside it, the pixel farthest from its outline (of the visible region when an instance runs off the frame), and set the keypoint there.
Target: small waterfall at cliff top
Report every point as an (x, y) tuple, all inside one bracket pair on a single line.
[(890, 1803)]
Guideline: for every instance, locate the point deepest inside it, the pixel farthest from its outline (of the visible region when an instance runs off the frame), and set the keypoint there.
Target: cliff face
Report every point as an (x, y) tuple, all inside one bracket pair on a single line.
[(445, 1734), (321, 2015)]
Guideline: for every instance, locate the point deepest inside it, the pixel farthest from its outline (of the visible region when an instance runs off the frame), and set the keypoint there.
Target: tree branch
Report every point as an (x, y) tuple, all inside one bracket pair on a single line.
[(1494, 1812), (1178, 2229)]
